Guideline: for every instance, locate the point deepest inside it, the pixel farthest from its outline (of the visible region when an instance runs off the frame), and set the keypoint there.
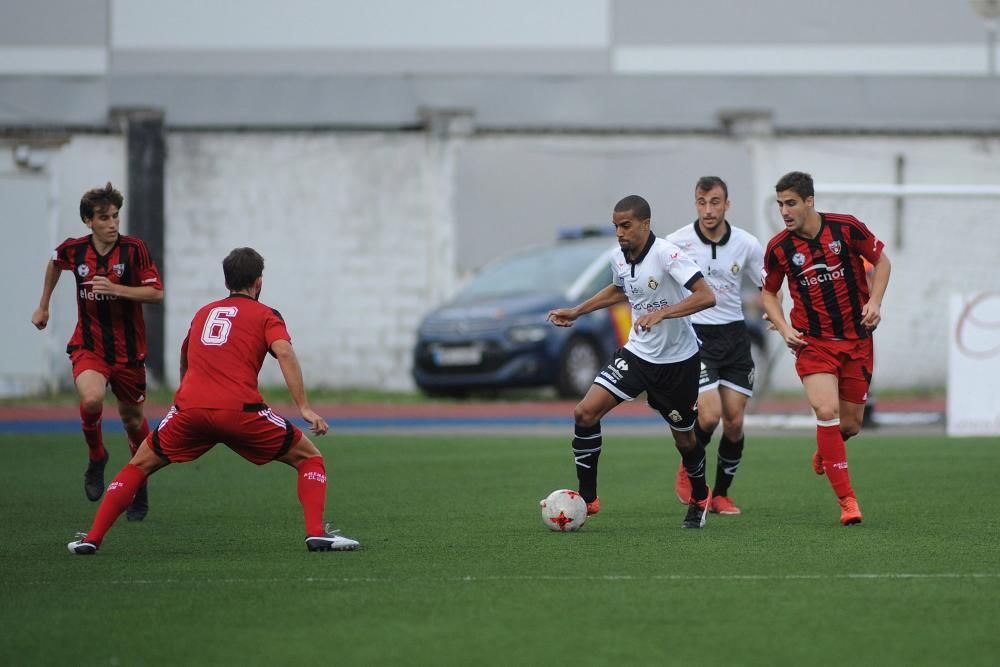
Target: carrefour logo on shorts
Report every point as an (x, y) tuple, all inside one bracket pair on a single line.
[(621, 364)]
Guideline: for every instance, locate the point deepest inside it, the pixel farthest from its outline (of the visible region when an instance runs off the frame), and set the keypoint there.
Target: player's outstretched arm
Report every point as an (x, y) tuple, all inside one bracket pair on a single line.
[(609, 296), (40, 318), (292, 372), (142, 294)]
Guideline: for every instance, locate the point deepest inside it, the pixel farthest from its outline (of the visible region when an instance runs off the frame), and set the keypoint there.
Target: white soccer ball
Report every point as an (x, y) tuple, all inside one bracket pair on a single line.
[(564, 510)]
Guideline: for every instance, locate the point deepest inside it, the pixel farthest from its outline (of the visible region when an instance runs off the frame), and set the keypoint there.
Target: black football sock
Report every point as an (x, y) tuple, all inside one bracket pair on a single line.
[(694, 464), (703, 437), (586, 451), (730, 455)]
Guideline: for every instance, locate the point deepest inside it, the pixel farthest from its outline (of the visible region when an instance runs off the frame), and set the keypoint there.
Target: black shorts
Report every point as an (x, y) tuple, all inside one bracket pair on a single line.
[(672, 389), (725, 357)]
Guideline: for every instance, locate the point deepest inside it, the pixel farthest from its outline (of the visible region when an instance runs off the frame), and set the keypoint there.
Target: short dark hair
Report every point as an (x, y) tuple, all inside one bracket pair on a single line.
[(706, 183), (242, 267), (798, 182), (635, 204), (99, 199)]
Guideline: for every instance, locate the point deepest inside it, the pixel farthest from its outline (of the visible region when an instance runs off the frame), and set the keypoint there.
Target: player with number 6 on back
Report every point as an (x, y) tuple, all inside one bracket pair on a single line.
[(219, 401)]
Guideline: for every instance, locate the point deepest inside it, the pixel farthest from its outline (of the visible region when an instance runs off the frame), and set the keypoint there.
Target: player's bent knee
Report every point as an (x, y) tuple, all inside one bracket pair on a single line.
[(92, 402), (147, 460), (585, 416), (132, 422), (733, 430), (300, 451), (849, 430), (827, 414)]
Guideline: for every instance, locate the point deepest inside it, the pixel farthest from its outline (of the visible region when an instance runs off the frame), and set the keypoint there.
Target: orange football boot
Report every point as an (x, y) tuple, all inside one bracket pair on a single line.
[(850, 513), (723, 505)]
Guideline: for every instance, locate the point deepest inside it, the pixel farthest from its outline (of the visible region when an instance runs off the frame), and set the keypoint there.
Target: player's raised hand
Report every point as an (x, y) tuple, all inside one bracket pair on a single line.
[(561, 317), (40, 318), (317, 425)]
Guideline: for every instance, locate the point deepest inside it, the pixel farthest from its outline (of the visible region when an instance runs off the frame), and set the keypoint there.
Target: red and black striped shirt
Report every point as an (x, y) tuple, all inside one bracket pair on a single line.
[(107, 325), (826, 275)]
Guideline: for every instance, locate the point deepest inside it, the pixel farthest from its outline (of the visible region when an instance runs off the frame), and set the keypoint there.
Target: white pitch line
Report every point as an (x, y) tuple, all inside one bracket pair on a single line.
[(528, 577)]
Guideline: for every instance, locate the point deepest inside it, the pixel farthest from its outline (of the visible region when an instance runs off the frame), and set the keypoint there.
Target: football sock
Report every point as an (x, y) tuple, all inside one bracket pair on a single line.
[(831, 447), (118, 497), (704, 437), (694, 464), (92, 433), (586, 450), (730, 455), (312, 493), (137, 436)]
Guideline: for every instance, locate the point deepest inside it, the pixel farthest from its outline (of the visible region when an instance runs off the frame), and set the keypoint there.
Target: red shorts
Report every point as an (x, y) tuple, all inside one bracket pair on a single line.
[(258, 436), (851, 361), (128, 383)]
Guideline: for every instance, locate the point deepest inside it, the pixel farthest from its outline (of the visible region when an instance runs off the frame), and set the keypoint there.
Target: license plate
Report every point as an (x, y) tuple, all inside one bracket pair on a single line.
[(458, 356)]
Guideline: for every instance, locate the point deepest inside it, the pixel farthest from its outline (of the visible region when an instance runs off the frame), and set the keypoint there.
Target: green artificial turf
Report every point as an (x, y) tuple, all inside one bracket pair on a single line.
[(457, 568)]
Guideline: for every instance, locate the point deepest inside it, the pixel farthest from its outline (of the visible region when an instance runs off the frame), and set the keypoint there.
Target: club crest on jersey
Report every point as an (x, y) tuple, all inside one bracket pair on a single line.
[(119, 269), (798, 259), (834, 247), (734, 269), (83, 270), (652, 283)]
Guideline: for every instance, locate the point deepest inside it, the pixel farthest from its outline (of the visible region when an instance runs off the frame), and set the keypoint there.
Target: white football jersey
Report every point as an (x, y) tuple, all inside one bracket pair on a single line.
[(657, 280), (724, 265)]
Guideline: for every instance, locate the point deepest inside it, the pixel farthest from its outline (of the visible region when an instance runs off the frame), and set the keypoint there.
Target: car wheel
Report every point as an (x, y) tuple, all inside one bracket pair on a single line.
[(581, 360)]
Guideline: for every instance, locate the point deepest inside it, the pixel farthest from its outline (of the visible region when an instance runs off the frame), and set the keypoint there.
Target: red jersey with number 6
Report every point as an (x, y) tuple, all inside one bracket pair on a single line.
[(826, 275), (225, 349)]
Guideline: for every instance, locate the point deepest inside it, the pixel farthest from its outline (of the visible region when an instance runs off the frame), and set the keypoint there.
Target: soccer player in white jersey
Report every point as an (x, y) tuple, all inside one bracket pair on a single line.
[(725, 255), (663, 287)]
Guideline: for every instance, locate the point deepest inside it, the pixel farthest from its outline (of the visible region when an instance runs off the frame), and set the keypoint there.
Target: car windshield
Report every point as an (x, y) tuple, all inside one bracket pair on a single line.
[(551, 269)]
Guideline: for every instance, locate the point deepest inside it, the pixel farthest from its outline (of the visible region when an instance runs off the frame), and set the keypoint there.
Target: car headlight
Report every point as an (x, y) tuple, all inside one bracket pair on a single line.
[(528, 333)]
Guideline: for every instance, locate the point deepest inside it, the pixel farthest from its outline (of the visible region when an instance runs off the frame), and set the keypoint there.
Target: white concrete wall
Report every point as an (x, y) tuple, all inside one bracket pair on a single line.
[(361, 230), (355, 230)]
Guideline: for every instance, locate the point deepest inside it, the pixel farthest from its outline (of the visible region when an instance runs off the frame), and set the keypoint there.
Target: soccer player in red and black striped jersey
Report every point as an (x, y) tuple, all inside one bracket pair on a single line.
[(114, 276), (218, 401), (834, 313)]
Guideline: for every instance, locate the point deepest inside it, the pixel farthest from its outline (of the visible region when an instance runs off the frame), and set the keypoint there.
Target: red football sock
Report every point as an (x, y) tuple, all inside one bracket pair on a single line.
[(137, 436), (92, 433), (312, 493), (831, 447), (117, 498)]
